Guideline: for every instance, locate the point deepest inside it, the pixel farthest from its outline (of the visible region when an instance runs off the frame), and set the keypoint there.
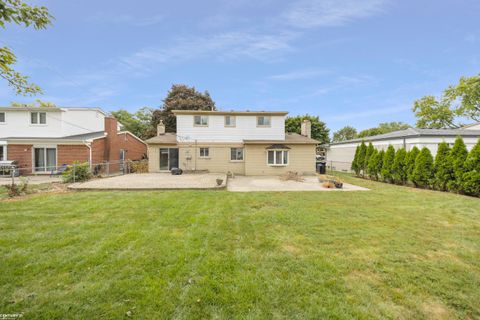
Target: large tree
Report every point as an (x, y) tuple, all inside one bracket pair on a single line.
[(382, 128), (344, 134), (458, 102), (181, 97), (18, 12), (320, 131), (138, 123)]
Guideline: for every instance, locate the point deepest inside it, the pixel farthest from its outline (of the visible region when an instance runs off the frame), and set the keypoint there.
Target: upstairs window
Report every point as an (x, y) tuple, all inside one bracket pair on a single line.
[(38, 118), (236, 154), (204, 152), (229, 121), (200, 121), (2, 117), (277, 157), (263, 121)]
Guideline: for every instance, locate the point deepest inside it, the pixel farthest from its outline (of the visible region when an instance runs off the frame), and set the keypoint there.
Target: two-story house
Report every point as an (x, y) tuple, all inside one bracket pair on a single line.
[(242, 142), (41, 139)]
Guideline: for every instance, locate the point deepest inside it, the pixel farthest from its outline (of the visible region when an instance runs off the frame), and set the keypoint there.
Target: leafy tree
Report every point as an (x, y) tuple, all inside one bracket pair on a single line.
[(410, 162), (423, 172), (471, 178), (344, 134), (355, 167), (320, 131), (461, 101), (362, 153), (368, 155), (399, 168), (138, 123), (372, 165), (181, 97), (443, 168), (387, 168), (18, 12), (37, 104), (456, 159), (383, 128)]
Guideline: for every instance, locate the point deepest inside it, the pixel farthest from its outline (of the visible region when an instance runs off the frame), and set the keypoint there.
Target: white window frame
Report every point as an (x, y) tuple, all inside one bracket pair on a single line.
[(269, 124), (233, 121), (38, 118), (236, 158), (203, 121), (4, 117), (45, 147), (204, 155), (4, 148), (282, 162)]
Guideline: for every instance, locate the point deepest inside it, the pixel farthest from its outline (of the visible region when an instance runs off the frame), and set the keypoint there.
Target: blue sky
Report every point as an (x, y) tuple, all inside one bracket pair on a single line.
[(351, 62)]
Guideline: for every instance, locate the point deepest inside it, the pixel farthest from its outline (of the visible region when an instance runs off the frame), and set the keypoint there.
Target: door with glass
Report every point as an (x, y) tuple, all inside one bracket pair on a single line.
[(168, 158), (45, 159)]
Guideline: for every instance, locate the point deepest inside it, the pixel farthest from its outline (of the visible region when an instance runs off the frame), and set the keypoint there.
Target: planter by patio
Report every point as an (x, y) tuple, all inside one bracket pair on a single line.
[(219, 182)]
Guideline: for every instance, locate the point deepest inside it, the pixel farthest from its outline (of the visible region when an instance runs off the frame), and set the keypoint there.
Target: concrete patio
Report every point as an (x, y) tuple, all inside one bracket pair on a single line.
[(152, 181), (40, 179), (310, 183)]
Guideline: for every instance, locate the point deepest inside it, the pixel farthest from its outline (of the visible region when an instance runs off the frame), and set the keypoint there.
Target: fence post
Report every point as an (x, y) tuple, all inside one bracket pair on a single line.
[(74, 173), (108, 168)]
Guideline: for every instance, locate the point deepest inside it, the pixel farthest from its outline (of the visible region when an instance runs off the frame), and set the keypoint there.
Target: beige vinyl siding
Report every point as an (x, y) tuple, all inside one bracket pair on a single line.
[(218, 160), (301, 160), (153, 152)]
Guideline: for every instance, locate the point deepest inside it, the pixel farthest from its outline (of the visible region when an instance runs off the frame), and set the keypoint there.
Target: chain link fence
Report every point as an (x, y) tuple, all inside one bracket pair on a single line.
[(341, 166)]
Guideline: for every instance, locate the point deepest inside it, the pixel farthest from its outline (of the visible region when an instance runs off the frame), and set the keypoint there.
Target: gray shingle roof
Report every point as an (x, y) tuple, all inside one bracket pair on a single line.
[(80, 137), (417, 132)]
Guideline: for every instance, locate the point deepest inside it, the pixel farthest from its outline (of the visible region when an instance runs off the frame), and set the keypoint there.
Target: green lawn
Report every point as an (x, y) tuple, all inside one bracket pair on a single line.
[(392, 252)]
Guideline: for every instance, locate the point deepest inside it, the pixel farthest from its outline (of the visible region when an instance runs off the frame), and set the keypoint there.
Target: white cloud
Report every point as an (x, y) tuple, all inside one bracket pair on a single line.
[(299, 75), (328, 13)]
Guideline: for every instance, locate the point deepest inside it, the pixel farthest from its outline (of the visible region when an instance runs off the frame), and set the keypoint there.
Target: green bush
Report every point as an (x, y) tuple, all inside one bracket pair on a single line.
[(471, 177), (399, 168), (361, 158), (410, 162), (423, 172), (443, 168), (379, 163), (354, 166), (387, 172), (372, 165), (77, 172), (368, 155), (456, 159)]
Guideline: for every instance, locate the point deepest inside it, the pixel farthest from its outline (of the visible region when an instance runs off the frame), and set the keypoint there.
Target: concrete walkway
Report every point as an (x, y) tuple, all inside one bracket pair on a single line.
[(152, 181), (310, 183), (40, 179)]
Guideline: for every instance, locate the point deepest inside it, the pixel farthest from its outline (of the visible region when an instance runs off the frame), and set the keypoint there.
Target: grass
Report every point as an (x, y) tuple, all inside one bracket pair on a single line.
[(392, 252)]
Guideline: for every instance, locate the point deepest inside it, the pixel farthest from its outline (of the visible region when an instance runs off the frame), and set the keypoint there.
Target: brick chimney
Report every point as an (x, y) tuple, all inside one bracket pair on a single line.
[(160, 128), (306, 129), (111, 152)]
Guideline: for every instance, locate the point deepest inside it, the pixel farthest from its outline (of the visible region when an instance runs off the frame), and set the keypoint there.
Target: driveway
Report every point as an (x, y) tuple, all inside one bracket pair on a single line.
[(152, 181), (310, 183)]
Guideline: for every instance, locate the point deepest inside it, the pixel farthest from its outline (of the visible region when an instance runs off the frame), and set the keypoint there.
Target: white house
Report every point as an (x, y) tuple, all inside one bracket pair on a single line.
[(242, 142), (340, 154)]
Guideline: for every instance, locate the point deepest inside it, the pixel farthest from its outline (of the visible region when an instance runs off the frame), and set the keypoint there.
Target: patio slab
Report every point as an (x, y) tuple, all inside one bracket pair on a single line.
[(310, 183), (40, 179), (153, 181)]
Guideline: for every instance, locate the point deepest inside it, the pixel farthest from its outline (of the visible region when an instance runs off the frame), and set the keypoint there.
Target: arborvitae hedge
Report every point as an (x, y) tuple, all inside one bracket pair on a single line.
[(399, 167), (456, 159), (355, 166), (362, 153), (471, 177), (387, 171), (372, 165), (423, 172), (379, 163), (368, 155), (410, 162), (442, 167)]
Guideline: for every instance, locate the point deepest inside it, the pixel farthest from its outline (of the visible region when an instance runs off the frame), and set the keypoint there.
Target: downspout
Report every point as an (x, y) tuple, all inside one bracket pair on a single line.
[(89, 146)]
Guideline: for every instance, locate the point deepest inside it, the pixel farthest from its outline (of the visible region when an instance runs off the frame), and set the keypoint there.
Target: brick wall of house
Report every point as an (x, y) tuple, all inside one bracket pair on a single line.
[(67, 154), (23, 154), (134, 149)]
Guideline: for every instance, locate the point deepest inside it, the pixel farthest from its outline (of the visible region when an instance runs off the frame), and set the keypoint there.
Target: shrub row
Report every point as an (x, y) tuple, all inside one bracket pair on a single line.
[(453, 169)]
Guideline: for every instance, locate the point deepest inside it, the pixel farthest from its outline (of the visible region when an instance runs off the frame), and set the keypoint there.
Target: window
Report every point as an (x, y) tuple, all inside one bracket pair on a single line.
[(229, 121), (277, 157), (2, 153), (204, 152), (2, 117), (236, 154), (263, 121), (45, 159), (38, 118), (200, 121)]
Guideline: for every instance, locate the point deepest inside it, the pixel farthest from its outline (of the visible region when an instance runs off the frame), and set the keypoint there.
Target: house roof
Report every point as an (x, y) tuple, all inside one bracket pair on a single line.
[(416, 132), (471, 125), (52, 109), (76, 137), (167, 138), (290, 138), (232, 112)]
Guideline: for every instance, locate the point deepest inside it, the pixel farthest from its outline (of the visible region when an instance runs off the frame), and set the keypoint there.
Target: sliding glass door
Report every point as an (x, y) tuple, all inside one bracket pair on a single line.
[(45, 159), (168, 158)]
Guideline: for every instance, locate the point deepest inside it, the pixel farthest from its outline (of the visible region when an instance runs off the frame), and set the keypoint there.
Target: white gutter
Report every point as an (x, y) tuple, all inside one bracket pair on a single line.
[(89, 146)]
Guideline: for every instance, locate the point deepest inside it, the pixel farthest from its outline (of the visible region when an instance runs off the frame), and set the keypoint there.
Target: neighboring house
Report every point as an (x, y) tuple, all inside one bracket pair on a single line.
[(41, 139), (340, 154), (241, 142)]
